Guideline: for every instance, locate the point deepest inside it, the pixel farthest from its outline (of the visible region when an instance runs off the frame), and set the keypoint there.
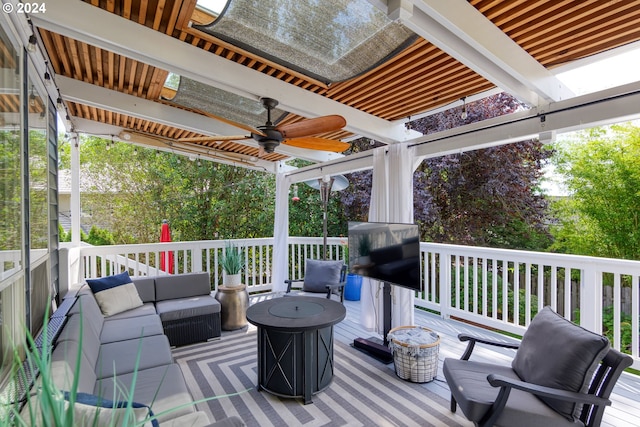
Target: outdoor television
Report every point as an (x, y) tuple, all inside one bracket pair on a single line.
[(389, 252)]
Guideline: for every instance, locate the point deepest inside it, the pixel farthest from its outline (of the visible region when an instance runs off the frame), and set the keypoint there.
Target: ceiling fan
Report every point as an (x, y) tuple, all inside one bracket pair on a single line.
[(299, 134)]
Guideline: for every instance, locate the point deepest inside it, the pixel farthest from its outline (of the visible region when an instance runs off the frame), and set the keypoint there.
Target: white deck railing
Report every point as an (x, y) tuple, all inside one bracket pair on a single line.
[(597, 292)]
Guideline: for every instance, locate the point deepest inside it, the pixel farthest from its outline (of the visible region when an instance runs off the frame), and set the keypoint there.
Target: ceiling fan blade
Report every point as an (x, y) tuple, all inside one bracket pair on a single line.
[(313, 126), (321, 144), (215, 138)]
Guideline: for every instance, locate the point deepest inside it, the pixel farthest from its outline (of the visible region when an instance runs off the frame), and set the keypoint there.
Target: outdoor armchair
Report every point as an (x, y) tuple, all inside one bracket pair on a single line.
[(321, 278), (561, 375)]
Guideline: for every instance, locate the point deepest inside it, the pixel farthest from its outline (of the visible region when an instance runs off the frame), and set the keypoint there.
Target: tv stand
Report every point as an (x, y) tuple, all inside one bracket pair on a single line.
[(376, 347)]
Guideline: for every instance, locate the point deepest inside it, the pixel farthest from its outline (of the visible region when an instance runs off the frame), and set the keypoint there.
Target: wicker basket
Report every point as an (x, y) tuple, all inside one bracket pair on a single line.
[(416, 363)]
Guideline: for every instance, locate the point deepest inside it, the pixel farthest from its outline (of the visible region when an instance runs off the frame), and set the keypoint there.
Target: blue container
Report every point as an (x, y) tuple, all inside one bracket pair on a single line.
[(353, 286)]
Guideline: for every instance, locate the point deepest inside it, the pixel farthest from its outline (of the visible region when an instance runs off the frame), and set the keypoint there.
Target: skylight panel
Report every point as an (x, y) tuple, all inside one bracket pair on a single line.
[(327, 40)]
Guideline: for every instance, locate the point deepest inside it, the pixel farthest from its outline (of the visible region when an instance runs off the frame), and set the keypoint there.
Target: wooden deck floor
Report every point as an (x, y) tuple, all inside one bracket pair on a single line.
[(624, 412)]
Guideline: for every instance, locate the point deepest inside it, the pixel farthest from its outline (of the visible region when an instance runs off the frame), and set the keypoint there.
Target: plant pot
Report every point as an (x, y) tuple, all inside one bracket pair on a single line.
[(233, 306), (231, 280)]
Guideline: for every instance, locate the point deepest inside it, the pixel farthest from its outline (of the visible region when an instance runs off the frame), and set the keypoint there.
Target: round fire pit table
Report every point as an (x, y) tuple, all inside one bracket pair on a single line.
[(295, 344)]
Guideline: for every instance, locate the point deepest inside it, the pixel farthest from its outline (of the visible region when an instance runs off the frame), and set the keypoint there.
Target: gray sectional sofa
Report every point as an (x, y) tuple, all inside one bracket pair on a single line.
[(115, 351), (188, 312)]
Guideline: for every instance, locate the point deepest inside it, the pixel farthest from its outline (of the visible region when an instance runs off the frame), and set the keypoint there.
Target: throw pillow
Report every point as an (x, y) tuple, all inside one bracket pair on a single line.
[(115, 294), (96, 411), (318, 274), (556, 352)]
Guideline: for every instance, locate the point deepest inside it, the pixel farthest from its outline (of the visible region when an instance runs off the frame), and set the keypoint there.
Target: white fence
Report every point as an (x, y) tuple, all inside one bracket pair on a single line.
[(465, 282), (470, 283)]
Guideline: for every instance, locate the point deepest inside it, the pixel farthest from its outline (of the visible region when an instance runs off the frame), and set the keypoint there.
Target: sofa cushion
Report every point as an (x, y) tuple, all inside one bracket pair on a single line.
[(120, 357), (319, 273), (115, 294), (538, 360), (183, 308), (146, 287), (130, 328), (146, 309), (63, 367), (87, 307), (182, 286), (97, 411), (163, 387), (89, 340)]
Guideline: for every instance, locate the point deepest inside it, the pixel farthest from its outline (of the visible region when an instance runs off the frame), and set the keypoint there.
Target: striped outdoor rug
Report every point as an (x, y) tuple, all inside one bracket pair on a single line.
[(364, 392)]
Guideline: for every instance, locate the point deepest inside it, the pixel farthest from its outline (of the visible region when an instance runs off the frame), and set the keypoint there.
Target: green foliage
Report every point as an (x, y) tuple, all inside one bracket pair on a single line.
[(475, 294), (626, 331), (602, 172), (129, 191), (100, 237), (306, 216), (232, 261), (63, 236)]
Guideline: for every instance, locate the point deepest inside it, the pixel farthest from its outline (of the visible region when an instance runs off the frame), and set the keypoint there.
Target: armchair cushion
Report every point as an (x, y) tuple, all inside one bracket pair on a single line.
[(319, 273), (539, 361)]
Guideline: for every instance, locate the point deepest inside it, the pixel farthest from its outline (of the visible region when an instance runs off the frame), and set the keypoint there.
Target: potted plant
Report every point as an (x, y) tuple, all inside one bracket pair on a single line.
[(232, 264), (232, 295)]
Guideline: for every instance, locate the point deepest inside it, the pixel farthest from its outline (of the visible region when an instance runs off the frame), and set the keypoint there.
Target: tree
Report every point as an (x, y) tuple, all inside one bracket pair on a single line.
[(602, 172), (129, 192), (485, 197)]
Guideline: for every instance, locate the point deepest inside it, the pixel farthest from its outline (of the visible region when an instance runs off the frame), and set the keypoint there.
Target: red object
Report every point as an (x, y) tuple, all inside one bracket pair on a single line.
[(166, 258)]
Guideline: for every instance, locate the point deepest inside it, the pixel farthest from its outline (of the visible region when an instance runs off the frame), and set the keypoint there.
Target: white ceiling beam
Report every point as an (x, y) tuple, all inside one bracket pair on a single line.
[(463, 32), (90, 24), (609, 106), (99, 97), (95, 96), (90, 127)]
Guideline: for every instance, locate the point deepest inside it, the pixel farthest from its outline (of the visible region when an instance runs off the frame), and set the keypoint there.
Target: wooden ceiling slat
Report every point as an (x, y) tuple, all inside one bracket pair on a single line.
[(187, 10), (99, 66), (126, 9), (596, 31), (60, 46), (75, 59), (142, 14), (132, 77), (407, 82), (532, 39), (110, 65), (122, 63), (405, 109), (157, 19), (400, 79), (173, 17), (88, 63), (145, 83), (49, 45), (420, 53)]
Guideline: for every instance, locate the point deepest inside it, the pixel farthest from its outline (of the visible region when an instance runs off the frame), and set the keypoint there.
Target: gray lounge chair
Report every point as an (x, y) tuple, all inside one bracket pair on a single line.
[(562, 375), (321, 278)]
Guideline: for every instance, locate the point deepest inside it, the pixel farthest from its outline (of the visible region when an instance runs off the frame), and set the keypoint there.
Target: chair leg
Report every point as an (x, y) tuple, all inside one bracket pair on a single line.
[(453, 405)]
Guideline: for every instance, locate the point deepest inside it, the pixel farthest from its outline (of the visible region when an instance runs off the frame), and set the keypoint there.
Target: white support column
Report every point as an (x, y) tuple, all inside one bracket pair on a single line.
[(75, 189)]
